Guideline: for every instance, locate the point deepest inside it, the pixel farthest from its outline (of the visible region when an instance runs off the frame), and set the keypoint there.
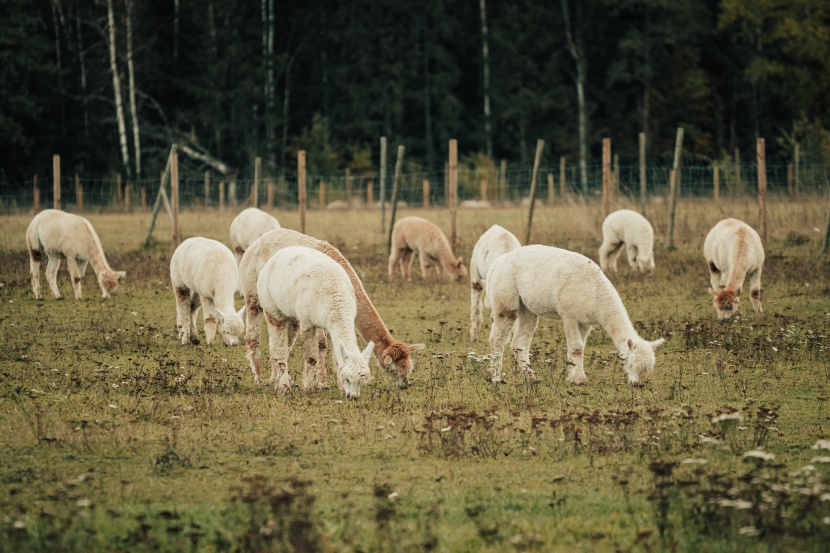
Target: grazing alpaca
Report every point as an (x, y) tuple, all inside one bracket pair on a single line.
[(535, 281), (249, 225), (632, 230), (494, 243), (305, 288), (203, 272), (62, 235), (392, 355), (412, 234), (733, 252)]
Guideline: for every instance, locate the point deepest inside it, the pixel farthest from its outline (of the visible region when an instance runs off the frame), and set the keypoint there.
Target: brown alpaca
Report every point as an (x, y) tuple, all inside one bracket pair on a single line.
[(412, 234)]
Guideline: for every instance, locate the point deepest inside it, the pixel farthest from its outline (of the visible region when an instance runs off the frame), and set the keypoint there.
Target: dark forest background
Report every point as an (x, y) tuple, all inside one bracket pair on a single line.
[(235, 80)]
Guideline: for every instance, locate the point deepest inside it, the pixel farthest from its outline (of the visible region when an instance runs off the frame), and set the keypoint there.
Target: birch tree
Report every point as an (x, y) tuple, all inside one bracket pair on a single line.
[(577, 50), (116, 86), (128, 4)]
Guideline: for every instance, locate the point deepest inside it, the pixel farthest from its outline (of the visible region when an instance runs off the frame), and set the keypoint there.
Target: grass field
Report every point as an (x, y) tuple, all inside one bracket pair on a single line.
[(114, 437)]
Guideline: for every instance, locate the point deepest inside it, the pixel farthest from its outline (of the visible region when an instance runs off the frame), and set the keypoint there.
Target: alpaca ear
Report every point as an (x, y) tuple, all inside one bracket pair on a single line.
[(631, 345), (120, 275), (387, 359), (737, 293), (241, 312), (656, 343), (415, 347), (460, 261), (367, 353), (221, 315)]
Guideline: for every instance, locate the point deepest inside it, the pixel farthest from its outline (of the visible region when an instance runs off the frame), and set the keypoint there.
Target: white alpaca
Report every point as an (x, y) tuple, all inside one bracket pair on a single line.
[(394, 356), (535, 281), (249, 225), (494, 243), (412, 234), (734, 252), (303, 287), (204, 273), (632, 230), (62, 235)]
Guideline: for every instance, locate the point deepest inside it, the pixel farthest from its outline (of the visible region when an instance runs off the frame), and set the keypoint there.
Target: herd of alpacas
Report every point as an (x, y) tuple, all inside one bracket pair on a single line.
[(305, 287)]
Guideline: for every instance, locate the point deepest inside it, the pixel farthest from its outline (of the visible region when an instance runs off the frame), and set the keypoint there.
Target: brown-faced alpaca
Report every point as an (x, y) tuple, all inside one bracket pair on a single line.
[(392, 355), (734, 252), (412, 234), (59, 235), (249, 225)]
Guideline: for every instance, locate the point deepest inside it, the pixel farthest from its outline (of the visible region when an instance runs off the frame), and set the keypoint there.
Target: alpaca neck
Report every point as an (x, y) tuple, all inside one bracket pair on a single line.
[(614, 320)]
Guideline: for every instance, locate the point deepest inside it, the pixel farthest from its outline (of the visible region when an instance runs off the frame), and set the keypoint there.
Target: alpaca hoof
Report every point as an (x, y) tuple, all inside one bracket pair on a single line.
[(195, 341)]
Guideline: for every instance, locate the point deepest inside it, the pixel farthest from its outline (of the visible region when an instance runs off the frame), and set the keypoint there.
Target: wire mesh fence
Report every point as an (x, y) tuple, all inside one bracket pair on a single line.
[(496, 186)]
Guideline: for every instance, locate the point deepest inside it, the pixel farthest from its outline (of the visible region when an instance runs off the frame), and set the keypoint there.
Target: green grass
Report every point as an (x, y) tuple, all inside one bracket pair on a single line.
[(114, 437)]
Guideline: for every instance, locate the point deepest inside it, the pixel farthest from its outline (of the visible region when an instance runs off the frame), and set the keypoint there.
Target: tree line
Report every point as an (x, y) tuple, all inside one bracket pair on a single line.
[(111, 84)]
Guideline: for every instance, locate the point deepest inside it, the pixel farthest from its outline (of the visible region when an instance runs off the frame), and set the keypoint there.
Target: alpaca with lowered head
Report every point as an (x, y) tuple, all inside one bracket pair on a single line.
[(302, 287), (535, 281), (391, 354), (414, 234), (204, 273), (58, 235), (734, 252), (249, 225), (494, 243), (630, 230)]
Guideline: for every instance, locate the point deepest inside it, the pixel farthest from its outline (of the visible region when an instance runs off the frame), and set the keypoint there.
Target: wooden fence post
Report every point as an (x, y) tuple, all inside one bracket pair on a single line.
[(678, 148), (483, 189), (738, 189), (426, 194), (79, 193), (301, 191), (370, 193), (540, 146), (269, 194), (790, 180), (143, 199), (453, 190), (221, 195), (232, 191), (321, 194), (643, 183), (563, 186), (503, 181), (615, 180), (606, 177), (348, 187), (35, 197), (257, 177), (762, 187), (207, 188), (127, 192), (382, 191), (394, 201), (174, 196), (716, 170), (796, 181), (118, 191), (551, 186), (56, 181)]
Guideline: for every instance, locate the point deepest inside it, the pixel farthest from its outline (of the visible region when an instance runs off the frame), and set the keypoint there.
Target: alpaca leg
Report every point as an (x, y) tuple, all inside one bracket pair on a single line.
[(211, 318), (310, 357), (406, 264), (394, 258), (52, 267), (182, 297), (525, 327), (607, 259), (195, 304), (614, 256), (74, 276), (279, 348), (631, 253), (476, 308), (252, 336), (34, 271), (503, 320), (755, 293), (576, 350), (322, 346), (423, 259)]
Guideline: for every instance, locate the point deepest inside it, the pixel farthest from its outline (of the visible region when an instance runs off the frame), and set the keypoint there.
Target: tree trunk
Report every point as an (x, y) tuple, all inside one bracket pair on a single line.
[(270, 96), (131, 73), (485, 56), (57, 17), (286, 104), (82, 62), (427, 93), (176, 11), (576, 49), (116, 86)]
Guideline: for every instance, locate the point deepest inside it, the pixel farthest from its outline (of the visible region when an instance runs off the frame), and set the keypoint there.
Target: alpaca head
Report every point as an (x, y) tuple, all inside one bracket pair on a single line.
[(231, 326), (398, 360), (355, 371), (639, 361), (109, 281), (725, 302), (645, 263), (459, 271)]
